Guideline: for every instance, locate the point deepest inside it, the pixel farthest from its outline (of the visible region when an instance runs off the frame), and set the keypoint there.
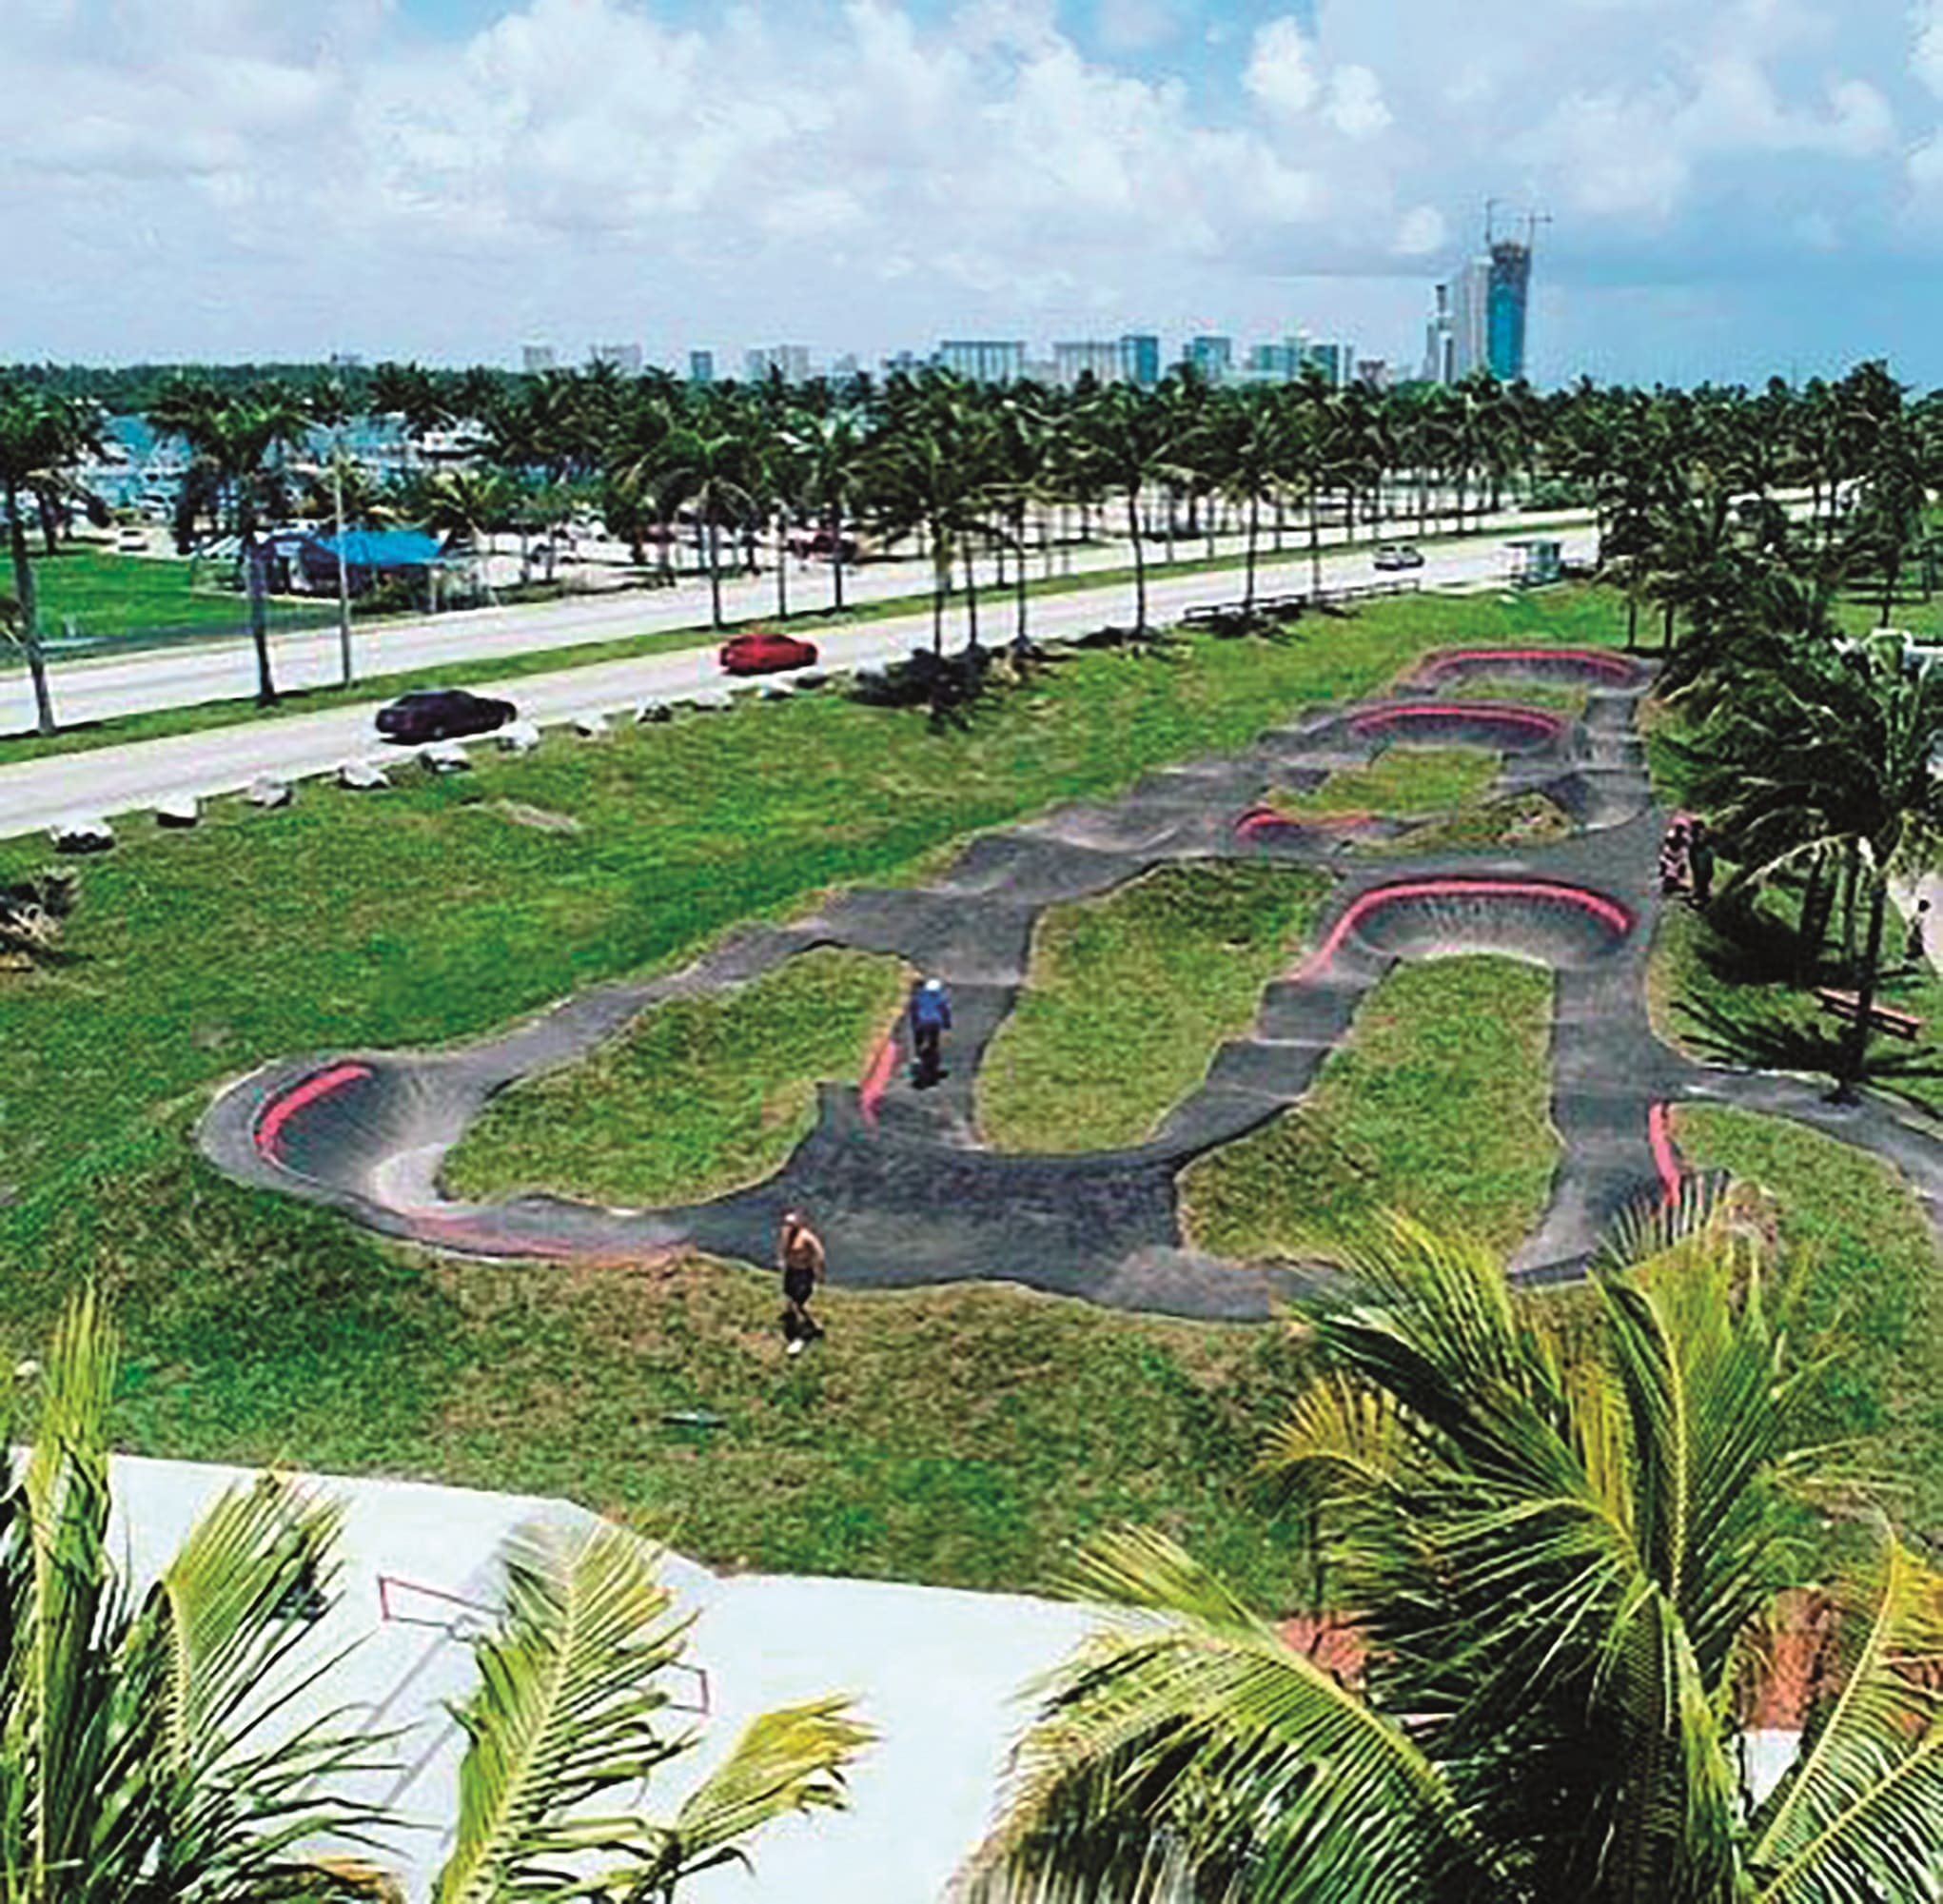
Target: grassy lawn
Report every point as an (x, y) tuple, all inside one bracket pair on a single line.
[(1552, 695), (261, 1330), (1512, 819), (1398, 782), (1128, 998), (701, 1095), (105, 594), (1438, 1103), (1731, 986), (1869, 1292)]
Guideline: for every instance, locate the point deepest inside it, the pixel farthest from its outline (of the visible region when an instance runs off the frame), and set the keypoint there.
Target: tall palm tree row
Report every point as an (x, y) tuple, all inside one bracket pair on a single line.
[(1562, 1542)]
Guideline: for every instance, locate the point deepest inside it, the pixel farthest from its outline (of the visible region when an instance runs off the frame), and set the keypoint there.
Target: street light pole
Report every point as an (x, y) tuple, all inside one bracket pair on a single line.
[(337, 492)]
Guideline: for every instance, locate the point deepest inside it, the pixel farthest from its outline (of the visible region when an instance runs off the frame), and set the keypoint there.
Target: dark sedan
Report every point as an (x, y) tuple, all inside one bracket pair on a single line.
[(442, 714)]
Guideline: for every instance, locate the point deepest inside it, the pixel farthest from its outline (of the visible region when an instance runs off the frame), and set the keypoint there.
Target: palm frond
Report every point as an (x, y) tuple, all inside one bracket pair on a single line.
[(1189, 1737), (793, 1759), (1856, 1815), (565, 1714)]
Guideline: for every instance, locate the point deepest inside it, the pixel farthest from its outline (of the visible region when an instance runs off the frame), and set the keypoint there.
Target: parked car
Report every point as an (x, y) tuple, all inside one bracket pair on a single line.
[(762, 651), (1398, 556), (442, 713)]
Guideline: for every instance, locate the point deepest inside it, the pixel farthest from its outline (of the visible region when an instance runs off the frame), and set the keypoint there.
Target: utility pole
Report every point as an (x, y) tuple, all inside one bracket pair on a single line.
[(337, 496)]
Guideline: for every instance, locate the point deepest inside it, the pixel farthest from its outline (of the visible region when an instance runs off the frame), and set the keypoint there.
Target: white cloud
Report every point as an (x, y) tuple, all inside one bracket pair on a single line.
[(1356, 106), (1281, 70), (628, 162), (1420, 231)]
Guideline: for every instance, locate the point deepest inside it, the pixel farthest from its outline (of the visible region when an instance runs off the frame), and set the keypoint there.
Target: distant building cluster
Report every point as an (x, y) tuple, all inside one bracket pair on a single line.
[(1478, 322)]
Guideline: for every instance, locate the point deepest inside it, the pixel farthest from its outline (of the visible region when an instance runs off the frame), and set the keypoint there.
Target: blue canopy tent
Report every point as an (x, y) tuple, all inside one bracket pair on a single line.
[(368, 555)]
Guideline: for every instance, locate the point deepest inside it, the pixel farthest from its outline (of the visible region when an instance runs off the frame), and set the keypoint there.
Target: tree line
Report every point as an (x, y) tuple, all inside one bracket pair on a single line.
[(973, 473)]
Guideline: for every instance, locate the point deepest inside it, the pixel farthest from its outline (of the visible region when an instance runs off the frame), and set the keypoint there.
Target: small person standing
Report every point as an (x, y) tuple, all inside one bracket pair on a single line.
[(1673, 859), (800, 1257), (1913, 950), (931, 1018), (1700, 861)]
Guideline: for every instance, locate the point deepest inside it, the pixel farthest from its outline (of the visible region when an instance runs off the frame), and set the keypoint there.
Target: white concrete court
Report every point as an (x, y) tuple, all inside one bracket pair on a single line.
[(936, 1672)]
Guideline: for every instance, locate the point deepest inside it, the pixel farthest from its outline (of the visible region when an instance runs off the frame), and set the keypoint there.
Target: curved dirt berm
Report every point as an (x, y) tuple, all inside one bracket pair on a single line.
[(1498, 725), (1589, 667), (1542, 920)]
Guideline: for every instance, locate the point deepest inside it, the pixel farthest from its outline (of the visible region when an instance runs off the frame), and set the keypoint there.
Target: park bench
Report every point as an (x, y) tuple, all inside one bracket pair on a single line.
[(1881, 1017)]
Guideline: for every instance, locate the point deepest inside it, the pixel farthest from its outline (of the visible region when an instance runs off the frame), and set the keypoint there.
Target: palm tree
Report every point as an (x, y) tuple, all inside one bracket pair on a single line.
[(936, 472), (1246, 454), (835, 454), (242, 440), (139, 1756), (1825, 750), (42, 438), (1133, 443), (150, 1753), (1569, 1531), (710, 470)]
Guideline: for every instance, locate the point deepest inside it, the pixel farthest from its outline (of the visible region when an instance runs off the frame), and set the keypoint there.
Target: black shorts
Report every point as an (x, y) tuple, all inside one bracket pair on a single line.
[(798, 1285)]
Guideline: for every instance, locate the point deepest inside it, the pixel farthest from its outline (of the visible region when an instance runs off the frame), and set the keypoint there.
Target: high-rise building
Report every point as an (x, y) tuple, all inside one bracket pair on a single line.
[(626, 358), (1104, 358), (1274, 362), (845, 368), (1470, 307), (903, 363), (701, 366), (984, 360), (791, 361), (1507, 293), (1140, 359), (1374, 372), (1335, 361), (534, 357), (1439, 344), (1212, 356)]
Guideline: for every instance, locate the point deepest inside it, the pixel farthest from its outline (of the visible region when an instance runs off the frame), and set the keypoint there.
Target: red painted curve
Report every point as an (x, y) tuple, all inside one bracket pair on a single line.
[(1258, 820), (1594, 660), (269, 1125), (876, 1077), (1610, 910), (1665, 1154), (1550, 725)]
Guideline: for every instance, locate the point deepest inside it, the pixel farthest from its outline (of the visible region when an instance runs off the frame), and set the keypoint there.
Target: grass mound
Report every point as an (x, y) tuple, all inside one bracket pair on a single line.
[(700, 1096), (1400, 782), (1438, 1103), (1870, 1288), (1129, 996)]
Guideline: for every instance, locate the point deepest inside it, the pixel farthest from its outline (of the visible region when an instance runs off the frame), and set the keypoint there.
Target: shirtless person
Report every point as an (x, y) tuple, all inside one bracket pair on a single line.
[(800, 1256)]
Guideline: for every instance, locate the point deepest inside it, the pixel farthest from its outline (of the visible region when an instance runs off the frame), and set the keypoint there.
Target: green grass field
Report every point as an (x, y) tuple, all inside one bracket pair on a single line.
[(960, 1436), (1867, 1293), (1400, 781), (700, 1096), (1129, 996), (1438, 1103), (104, 594)]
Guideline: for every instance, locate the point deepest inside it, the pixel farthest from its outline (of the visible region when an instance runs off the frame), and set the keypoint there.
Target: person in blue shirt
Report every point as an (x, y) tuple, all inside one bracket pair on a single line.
[(931, 1018)]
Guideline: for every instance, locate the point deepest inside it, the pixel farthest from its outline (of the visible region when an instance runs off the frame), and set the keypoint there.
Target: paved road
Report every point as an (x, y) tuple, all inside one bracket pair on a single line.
[(225, 669), (112, 780)]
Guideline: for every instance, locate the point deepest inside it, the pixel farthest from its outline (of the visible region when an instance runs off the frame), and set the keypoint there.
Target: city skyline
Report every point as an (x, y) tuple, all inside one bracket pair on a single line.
[(1750, 186)]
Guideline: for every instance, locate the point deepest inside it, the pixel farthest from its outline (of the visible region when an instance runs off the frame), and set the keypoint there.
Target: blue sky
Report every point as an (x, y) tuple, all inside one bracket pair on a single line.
[(1737, 186)]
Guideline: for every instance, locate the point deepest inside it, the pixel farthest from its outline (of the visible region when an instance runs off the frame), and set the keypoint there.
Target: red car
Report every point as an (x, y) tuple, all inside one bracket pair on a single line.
[(762, 651)]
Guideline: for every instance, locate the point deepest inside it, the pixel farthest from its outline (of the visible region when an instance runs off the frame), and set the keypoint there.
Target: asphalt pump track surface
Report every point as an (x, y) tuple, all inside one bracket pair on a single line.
[(896, 1179)]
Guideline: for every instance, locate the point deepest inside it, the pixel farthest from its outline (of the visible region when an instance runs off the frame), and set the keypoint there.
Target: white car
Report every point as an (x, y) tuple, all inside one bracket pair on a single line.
[(1398, 556)]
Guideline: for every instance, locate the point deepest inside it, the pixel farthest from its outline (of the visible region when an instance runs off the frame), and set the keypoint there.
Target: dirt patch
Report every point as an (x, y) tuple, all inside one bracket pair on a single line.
[(538, 818)]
